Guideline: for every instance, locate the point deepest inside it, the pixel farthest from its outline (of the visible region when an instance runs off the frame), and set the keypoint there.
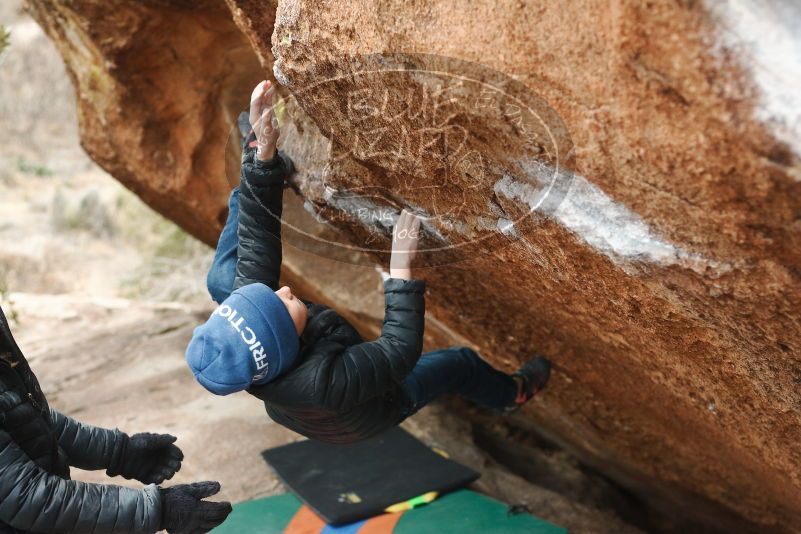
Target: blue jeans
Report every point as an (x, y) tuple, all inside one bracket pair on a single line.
[(220, 280), (457, 370)]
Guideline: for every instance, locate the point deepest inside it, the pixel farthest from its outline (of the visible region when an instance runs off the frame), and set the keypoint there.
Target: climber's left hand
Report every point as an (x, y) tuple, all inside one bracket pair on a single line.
[(263, 121)]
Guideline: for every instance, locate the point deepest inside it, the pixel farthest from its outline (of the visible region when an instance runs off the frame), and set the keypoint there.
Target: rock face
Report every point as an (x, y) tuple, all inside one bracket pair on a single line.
[(615, 185), (159, 86)]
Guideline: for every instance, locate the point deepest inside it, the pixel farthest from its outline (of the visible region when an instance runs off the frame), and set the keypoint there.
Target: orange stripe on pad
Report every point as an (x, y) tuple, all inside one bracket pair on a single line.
[(382, 524), (305, 522)]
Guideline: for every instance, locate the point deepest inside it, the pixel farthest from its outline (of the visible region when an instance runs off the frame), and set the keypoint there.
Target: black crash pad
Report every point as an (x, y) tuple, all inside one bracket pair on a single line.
[(347, 483)]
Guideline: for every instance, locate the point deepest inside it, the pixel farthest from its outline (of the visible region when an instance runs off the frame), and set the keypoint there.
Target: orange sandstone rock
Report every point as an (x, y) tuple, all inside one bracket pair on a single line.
[(614, 185)]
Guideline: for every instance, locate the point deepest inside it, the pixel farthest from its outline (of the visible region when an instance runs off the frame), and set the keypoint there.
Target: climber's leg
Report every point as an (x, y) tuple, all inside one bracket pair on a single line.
[(220, 280), (457, 370)]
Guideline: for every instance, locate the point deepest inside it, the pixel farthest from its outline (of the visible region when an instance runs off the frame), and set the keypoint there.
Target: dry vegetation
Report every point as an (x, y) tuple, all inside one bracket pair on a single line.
[(66, 226)]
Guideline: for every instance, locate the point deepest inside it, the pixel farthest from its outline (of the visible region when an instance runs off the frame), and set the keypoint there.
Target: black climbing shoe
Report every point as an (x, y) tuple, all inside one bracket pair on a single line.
[(534, 374)]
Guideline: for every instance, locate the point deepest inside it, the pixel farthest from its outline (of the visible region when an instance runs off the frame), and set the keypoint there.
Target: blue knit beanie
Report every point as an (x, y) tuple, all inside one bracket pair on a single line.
[(249, 339)]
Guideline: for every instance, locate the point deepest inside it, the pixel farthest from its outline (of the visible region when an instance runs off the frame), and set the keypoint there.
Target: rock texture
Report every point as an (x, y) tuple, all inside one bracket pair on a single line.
[(662, 272), (159, 86)]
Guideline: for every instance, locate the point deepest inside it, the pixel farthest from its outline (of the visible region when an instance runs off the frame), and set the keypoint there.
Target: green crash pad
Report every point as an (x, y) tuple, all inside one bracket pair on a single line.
[(460, 512)]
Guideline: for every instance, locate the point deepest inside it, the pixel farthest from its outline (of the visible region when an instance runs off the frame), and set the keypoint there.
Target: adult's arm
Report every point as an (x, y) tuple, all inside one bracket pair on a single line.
[(33, 500), (370, 369), (88, 447)]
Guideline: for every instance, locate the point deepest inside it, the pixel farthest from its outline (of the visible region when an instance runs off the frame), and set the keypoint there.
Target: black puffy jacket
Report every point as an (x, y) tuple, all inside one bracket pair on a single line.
[(342, 389), (36, 493)]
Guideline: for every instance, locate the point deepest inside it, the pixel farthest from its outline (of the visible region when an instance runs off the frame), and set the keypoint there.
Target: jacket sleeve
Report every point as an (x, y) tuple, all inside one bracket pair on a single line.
[(33, 500), (87, 447), (259, 231), (370, 369)]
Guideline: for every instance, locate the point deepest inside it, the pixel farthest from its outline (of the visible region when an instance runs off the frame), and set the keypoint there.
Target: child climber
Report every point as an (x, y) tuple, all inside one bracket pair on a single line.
[(311, 368)]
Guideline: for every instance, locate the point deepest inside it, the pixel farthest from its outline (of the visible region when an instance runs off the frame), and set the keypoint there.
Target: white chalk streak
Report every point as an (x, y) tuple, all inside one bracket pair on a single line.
[(766, 35), (602, 223)]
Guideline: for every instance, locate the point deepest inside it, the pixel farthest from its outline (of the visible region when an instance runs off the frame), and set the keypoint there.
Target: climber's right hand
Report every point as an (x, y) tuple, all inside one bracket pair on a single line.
[(405, 238), (263, 121), (185, 512)]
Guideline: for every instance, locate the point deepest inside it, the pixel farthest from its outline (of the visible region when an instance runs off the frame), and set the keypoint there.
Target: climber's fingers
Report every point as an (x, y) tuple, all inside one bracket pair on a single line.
[(260, 98), (267, 127), (407, 227)]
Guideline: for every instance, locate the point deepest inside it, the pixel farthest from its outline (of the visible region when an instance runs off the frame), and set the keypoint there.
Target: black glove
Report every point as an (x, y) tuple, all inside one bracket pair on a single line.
[(148, 458), (183, 510)]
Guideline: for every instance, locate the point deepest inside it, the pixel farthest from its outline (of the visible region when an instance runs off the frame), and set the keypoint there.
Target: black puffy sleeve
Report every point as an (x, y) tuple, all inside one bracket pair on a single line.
[(259, 230), (370, 369), (33, 500), (88, 447)]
